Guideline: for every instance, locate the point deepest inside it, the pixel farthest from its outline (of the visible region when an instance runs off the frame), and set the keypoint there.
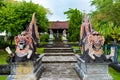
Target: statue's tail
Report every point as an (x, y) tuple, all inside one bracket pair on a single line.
[(33, 29)]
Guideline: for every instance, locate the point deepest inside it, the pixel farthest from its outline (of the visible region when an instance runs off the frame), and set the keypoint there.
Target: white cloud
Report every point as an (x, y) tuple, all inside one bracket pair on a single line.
[(58, 7)]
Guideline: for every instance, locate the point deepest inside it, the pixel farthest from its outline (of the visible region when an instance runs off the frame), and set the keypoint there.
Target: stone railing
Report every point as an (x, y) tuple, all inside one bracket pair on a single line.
[(30, 70), (92, 71)]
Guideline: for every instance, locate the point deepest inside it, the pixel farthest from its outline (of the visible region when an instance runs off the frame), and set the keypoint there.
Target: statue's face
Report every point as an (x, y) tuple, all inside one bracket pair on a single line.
[(97, 42), (22, 40)]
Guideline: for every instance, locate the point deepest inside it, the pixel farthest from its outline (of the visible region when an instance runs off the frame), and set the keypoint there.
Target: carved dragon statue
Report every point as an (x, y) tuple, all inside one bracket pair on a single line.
[(25, 44), (91, 43)]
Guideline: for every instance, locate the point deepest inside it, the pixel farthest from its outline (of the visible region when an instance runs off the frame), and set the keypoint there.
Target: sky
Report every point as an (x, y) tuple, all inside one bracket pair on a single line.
[(58, 7)]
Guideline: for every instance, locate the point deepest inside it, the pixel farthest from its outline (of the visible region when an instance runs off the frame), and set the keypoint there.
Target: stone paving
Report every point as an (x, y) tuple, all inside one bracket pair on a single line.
[(59, 64), (59, 71), (59, 59)]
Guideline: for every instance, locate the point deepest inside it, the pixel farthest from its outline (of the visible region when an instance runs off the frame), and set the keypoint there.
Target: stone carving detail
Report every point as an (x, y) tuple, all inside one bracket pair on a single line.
[(92, 42), (25, 44), (92, 62)]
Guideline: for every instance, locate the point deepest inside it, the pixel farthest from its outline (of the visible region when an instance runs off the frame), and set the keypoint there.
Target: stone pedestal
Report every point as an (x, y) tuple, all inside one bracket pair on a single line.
[(30, 70), (65, 43), (50, 43), (92, 71)]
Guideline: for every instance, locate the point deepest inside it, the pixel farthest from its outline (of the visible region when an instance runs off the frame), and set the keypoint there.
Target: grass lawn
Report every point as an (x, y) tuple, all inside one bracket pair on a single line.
[(3, 57), (114, 74), (3, 77), (73, 42), (119, 54), (40, 50), (43, 43)]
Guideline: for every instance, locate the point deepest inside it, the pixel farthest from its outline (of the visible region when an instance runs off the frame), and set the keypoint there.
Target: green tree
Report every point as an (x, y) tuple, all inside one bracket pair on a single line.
[(2, 3), (105, 18), (25, 11), (14, 17), (74, 17)]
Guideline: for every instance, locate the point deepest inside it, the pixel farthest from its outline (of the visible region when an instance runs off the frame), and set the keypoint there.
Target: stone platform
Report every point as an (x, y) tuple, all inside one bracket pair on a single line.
[(30, 70), (92, 71), (59, 71)]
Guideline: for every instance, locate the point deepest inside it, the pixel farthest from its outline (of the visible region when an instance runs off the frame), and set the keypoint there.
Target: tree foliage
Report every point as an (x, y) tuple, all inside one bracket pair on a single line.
[(74, 17), (14, 16), (1, 3), (105, 18)]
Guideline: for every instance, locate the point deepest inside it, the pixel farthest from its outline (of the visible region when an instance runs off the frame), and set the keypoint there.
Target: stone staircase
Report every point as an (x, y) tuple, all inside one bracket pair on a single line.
[(59, 58), (59, 55), (59, 64), (58, 50)]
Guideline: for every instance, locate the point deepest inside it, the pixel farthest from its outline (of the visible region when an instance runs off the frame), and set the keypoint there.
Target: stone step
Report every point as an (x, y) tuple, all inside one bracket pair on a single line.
[(59, 59), (58, 45), (61, 46), (54, 78), (59, 54), (59, 71), (58, 50)]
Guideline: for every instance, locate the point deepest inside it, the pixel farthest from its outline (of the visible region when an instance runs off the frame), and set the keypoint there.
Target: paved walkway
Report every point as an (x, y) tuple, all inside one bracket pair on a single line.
[(59, 64), (59, 58), (59, 71)]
